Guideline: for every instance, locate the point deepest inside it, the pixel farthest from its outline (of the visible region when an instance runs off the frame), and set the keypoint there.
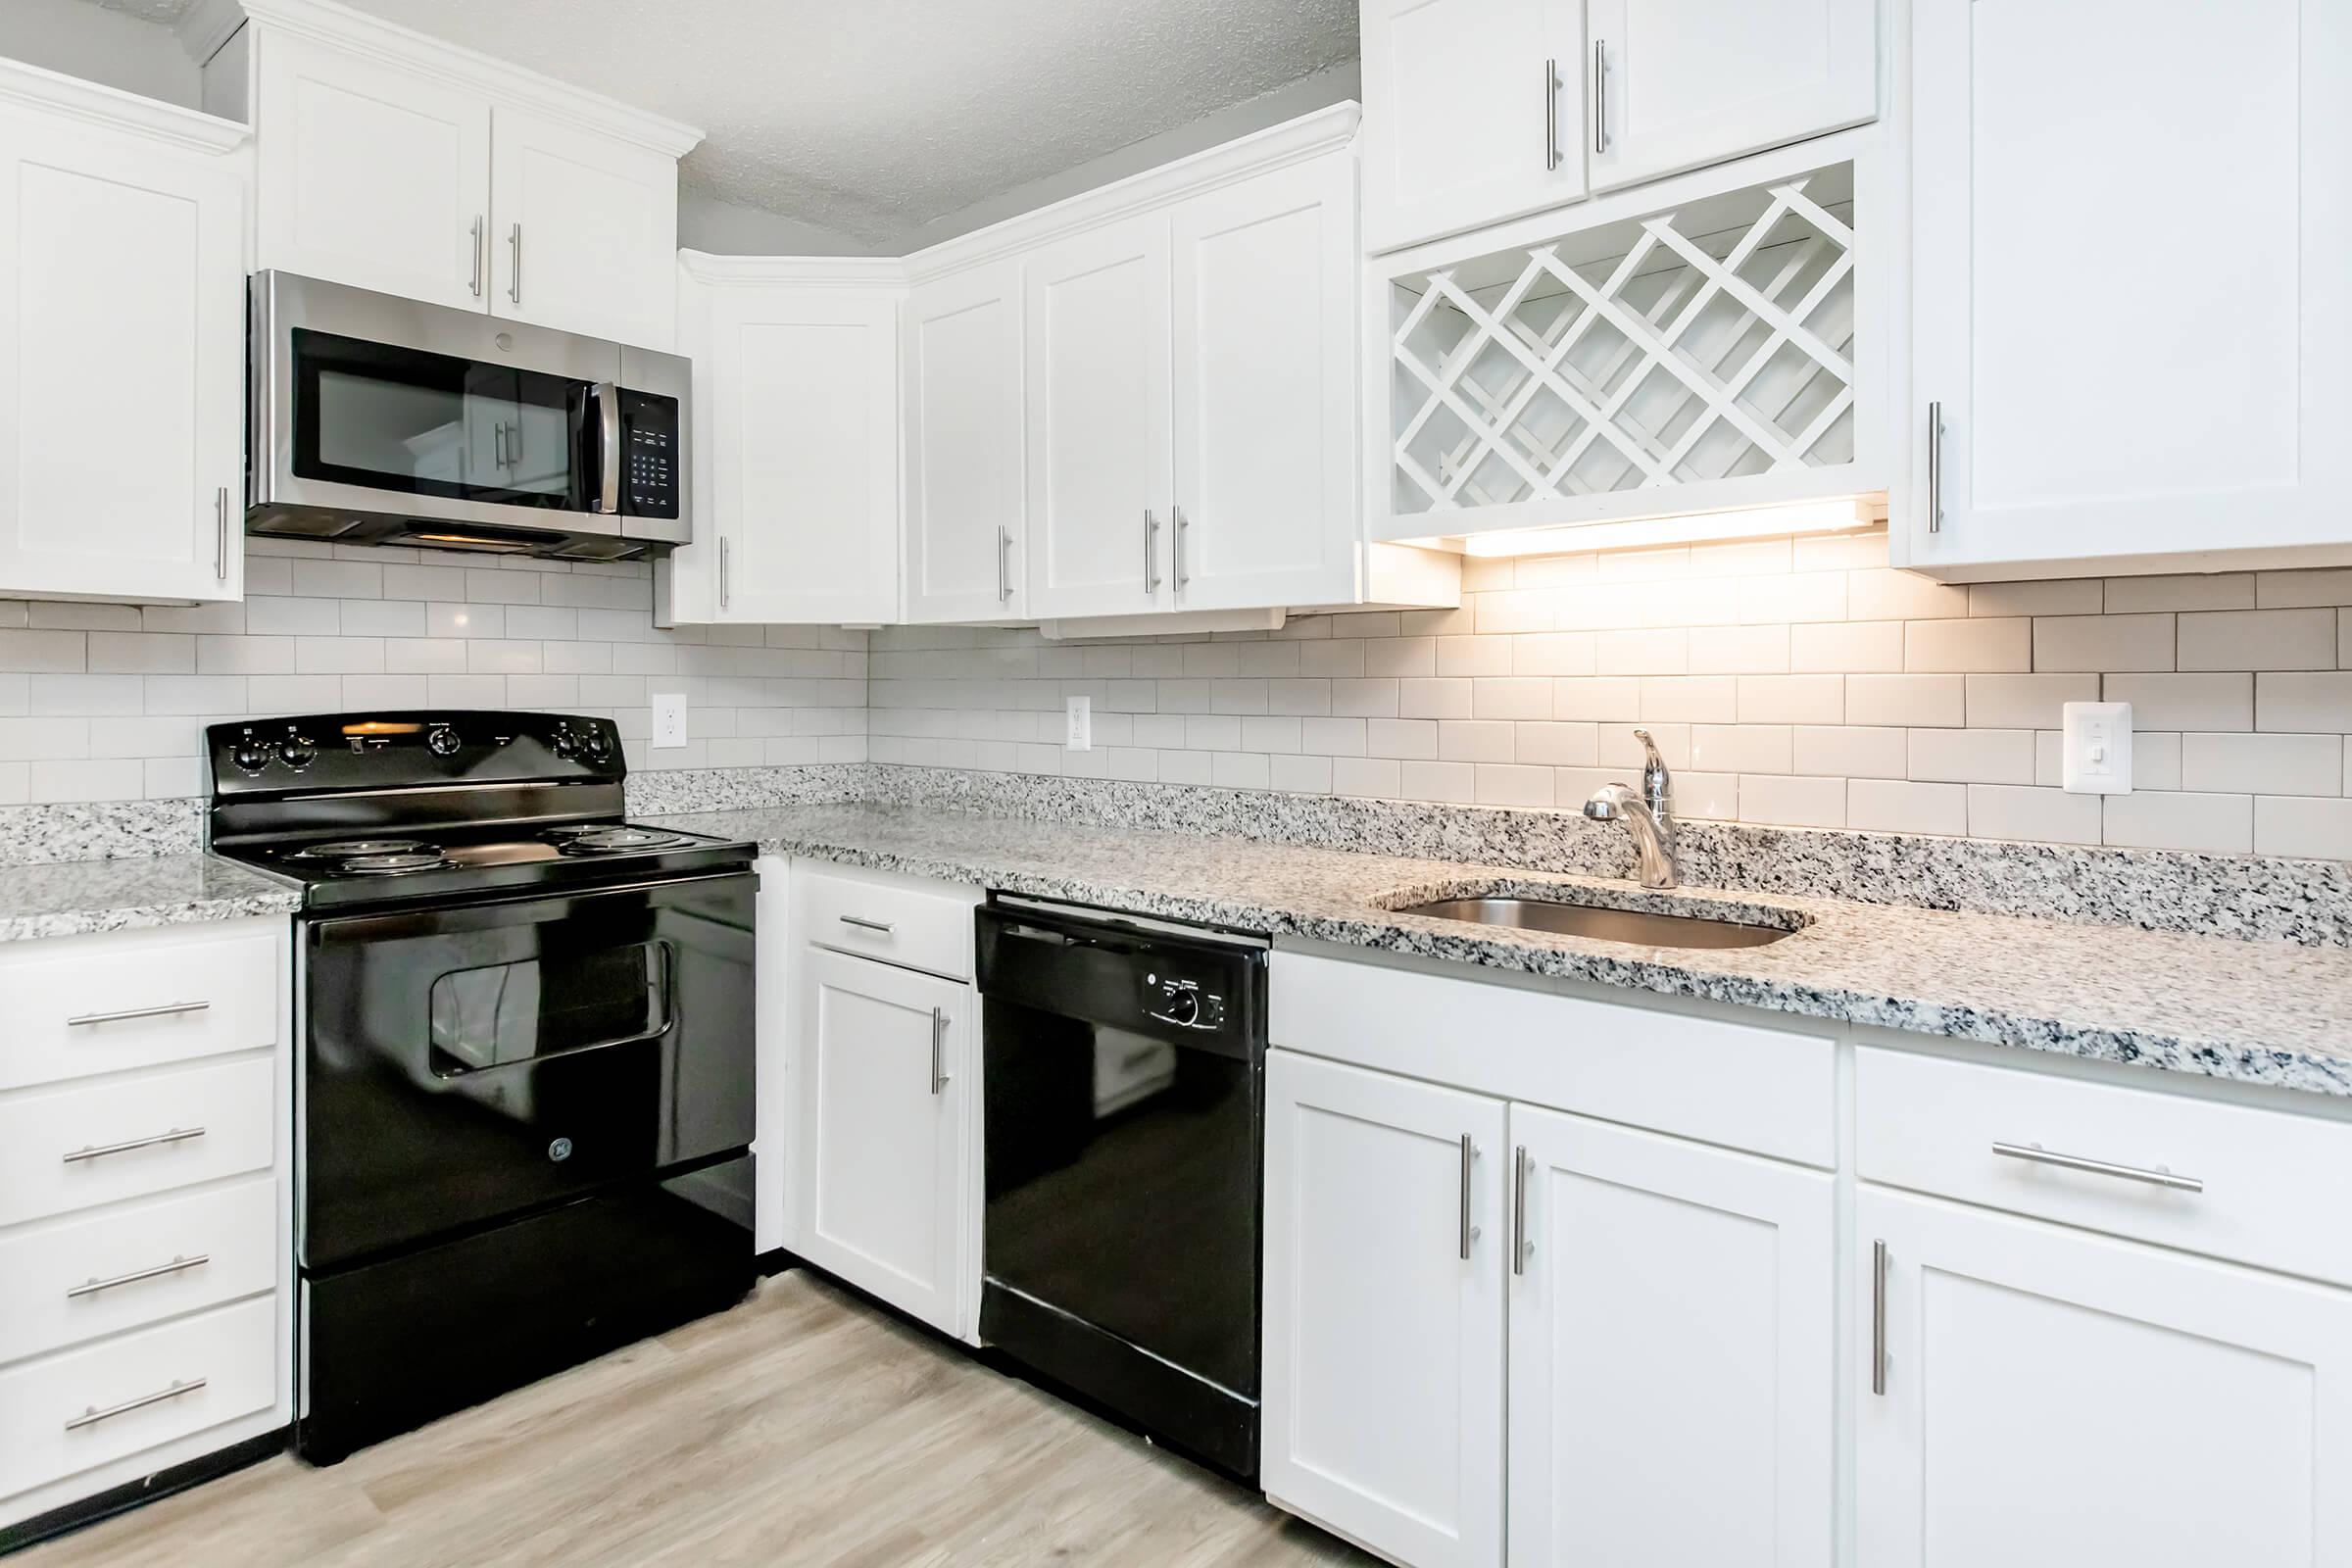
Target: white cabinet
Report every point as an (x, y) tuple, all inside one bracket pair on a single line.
[(121, 347), (586, 235), (1671, 1300), (2052, 1397), (964, 476), (796, 447), (1471, 113), (2095, 386), (1385, 1230), (885, 1065), (1677, 84)]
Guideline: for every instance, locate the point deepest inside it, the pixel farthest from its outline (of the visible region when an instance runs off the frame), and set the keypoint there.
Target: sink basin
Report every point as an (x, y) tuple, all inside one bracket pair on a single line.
[(1609, 925)]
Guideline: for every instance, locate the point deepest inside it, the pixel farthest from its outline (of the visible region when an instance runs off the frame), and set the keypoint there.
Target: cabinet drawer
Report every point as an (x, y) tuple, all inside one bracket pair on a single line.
[(902, 920), (1932, 1124), (226, 1114), (139, 999), (104, 1388), (74, 1281)]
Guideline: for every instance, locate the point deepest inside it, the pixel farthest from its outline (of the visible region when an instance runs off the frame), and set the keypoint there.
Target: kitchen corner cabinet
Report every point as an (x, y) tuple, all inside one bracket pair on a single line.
[(2183, 411), (965, 472), (121, 346)]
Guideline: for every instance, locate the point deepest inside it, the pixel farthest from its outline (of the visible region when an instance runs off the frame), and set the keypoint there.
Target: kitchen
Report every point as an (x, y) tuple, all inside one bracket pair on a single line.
[(1447, 782)]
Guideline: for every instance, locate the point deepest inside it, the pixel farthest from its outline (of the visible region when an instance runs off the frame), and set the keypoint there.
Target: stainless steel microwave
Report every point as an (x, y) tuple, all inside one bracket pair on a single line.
[(376, 420)]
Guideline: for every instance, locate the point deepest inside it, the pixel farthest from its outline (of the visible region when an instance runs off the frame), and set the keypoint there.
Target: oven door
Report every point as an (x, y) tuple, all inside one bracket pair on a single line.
[(465, 1064)]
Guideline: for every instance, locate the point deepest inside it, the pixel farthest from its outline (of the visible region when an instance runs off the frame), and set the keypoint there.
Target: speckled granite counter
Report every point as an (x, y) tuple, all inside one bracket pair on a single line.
[(2264, 1012), (75, 896)]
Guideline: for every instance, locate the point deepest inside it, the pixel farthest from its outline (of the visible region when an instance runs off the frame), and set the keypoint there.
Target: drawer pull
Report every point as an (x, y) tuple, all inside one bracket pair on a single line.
[(864, 924), (2159, 1177), (167, 1010), (91, 1415), (178, 1135), (93, 1284)]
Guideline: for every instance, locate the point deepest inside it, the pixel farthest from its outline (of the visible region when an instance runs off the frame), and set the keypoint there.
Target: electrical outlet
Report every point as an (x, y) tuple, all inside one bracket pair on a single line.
[(2097, 742), (669, 719), (1079, 734)]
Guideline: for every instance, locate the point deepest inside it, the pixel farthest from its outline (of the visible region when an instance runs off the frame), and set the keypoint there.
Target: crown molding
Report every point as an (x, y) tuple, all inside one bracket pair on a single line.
[(51, 92), (355, 33), (1293, 141), (714, 271)]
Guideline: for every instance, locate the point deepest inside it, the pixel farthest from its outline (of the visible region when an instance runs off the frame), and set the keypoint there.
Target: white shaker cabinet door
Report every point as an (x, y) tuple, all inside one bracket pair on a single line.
[(1384, 1310), (122, 367), (1472, 111), (2048, 1397), (371, 175), (1675, 84), (964, 499), (1673, 1336), (584, 231)]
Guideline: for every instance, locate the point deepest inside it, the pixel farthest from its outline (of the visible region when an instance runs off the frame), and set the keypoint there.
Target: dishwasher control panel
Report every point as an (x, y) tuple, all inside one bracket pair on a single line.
[(1182, 1000)]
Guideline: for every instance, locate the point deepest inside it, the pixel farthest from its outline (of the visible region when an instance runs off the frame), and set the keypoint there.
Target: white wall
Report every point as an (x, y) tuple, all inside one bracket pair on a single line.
[(84, 40)]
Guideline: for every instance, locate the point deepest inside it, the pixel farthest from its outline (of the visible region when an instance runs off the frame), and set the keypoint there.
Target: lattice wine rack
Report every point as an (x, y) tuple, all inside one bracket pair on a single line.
[(1703, 344)]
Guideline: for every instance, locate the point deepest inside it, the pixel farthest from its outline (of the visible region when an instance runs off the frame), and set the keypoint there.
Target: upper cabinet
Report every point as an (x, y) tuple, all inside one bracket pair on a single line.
[(121, 345), (2083, 397), (964, 475), (392, 162)]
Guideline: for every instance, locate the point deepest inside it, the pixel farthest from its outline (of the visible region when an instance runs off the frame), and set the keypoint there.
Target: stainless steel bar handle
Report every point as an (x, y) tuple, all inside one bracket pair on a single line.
[(221, 534), (864, 924), (1600, 95), (478, 224), (166, 1009), (1465, 1198), (1150, 555), (178, 1135), (515, 283), (723, 571), (1003, 571), (2157, 1177), (1519, 1175), (608, 457), (1934, 467), (939, 1064), (91, 1415), (1176, 513), (1551, 114), (1878, 1317), (93, 1284)]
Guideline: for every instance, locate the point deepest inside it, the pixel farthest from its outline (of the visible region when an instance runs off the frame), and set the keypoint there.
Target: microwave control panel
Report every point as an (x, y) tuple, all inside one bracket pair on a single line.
[(650, 454)]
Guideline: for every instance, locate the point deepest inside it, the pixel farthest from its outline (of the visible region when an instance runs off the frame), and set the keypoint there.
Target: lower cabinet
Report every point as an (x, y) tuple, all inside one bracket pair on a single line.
[(2044, 1397), (884, 1065)]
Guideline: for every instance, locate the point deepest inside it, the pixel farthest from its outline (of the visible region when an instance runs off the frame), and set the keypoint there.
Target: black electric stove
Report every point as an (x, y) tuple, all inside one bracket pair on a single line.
[(524, 1096)]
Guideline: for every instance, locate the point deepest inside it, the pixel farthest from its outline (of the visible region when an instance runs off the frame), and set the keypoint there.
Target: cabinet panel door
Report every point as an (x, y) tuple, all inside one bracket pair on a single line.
[(1677, 84), (1673, 1299), (1096, 323), (584, 231), (963, 446), (1265, 391), (371, 175), (122, 367), (2055, 1398), (803, 423), (1471, 111), (2176, 398), (881, 1058), (1384, 1396)]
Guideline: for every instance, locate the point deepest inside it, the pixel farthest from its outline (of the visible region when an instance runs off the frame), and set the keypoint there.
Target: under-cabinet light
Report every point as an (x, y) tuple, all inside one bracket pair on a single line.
[(1705, 527)]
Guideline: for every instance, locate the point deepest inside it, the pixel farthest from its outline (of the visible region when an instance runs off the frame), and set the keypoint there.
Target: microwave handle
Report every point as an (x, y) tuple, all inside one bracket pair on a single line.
[(607, 450)]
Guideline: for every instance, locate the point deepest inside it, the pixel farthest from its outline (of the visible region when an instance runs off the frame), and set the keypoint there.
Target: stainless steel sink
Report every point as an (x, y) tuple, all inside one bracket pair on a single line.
[(1609, 925)]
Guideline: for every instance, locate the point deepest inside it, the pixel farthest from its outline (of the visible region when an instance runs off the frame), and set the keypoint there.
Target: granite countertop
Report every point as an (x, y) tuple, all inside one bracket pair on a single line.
[(75, 896), (2265, 1013)]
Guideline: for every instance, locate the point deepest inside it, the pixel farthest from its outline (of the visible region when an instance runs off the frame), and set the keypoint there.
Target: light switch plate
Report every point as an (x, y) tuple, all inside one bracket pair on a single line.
[(2097, 748), (1079, 734), (669, 719)]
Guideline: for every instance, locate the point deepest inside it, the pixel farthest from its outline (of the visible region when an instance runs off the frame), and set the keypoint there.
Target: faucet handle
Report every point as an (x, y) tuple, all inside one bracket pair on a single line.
[(1657, 783)]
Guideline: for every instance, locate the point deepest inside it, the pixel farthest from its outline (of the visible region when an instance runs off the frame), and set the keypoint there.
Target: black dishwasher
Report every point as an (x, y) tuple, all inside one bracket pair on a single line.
[(1124, 1064)]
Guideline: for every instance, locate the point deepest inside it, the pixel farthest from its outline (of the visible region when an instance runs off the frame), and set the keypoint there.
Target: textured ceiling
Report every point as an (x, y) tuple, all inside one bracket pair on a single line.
[(873, 116)]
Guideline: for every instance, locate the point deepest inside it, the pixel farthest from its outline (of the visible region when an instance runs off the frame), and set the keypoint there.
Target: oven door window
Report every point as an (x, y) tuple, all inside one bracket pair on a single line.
[(395, 419), (493, 1016)]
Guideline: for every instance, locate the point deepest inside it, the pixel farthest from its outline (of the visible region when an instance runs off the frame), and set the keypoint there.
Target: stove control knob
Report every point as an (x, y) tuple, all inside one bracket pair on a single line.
[(296, 751), (568, 744), (1182, 1007), (250, 755), (441, 741), (600, 745)]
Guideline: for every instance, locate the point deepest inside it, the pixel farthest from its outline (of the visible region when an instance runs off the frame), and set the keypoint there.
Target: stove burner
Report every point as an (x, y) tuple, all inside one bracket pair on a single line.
[(419, 860), (612, 840), (347, 849)]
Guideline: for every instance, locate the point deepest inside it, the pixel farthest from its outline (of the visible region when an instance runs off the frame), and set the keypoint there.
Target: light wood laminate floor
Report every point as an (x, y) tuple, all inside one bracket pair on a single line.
[(804, 1427)]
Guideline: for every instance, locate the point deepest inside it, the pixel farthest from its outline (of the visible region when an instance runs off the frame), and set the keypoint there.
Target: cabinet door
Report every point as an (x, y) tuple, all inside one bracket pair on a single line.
[(1096, 323), (963, 446), (1471, 113), (371, 175), (122, 367), (1676, 85), (803, 424), (1265, 391), (1386, 1243), (584, 231), (1670, 1299), (2054, 1397), (882, 1055), (2180, 401)]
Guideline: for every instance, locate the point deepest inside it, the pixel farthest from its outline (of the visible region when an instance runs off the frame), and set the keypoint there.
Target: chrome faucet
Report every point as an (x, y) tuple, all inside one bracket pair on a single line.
[(1648, 815)]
